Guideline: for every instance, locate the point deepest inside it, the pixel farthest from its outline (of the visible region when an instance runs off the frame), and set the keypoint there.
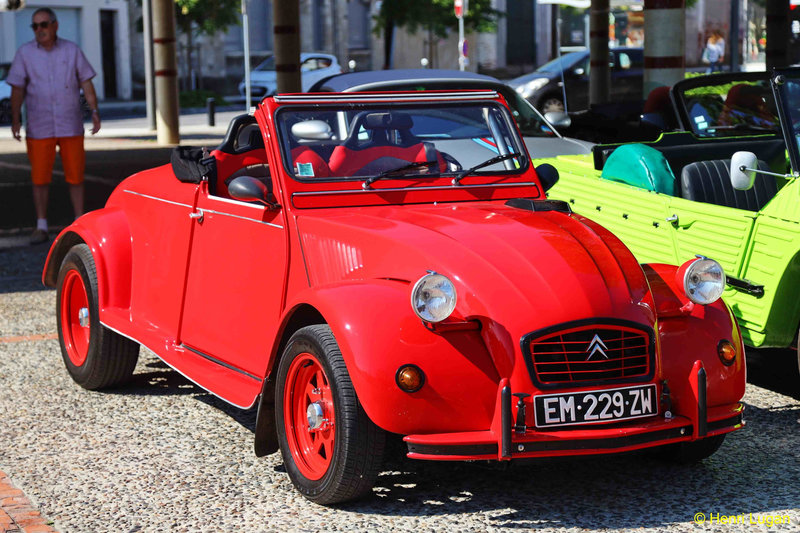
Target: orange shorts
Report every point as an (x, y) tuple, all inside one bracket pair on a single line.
[(42, 155)]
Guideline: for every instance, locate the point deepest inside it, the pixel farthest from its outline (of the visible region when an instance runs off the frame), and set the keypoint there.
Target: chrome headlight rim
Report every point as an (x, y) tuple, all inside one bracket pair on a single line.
[(691, 280), (437, 282)]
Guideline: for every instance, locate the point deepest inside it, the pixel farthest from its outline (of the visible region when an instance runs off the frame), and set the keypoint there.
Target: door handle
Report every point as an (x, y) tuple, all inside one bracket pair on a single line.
[(198, 215)]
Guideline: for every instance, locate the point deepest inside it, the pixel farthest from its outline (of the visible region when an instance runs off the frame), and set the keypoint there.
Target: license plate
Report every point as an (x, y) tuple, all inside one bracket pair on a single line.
[(593, 407)]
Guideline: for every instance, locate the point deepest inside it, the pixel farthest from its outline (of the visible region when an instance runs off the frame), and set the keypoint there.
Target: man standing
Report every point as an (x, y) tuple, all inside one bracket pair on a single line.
[(48, 73)]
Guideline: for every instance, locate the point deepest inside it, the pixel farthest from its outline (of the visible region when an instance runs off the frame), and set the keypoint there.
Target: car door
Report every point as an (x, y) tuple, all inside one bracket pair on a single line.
[(234, 286), (719, 232)]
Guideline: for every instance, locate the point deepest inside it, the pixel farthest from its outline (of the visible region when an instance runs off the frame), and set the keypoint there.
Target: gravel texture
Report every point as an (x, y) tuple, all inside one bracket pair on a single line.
[(160, 454)]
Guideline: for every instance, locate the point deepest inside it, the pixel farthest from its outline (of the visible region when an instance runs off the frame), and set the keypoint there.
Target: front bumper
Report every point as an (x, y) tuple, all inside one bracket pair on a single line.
[(504, 442)]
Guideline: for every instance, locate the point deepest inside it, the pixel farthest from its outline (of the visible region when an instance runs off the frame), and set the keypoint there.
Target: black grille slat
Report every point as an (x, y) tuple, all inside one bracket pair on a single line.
[(570, 357)]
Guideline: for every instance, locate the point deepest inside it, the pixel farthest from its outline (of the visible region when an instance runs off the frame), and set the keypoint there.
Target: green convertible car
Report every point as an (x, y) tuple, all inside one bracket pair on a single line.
[(673, 199)]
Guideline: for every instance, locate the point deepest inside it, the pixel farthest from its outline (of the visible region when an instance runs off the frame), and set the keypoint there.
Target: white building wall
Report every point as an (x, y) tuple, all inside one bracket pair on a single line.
[(83, 27)]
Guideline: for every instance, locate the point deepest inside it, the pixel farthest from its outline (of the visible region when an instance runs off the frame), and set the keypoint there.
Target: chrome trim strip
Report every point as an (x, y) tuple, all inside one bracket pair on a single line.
[(156, 198), (220, 363), (243, 218), (399, 97), (236, 202), (178, 371), (406, 189)]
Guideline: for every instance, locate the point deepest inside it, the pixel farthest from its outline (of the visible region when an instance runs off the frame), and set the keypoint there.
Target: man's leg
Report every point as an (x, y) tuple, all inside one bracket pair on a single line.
[(42, 155), (73, 158)]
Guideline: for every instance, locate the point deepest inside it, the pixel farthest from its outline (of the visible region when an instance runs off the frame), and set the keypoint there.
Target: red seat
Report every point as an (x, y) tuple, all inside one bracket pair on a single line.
[(375, 159), (307, 163)]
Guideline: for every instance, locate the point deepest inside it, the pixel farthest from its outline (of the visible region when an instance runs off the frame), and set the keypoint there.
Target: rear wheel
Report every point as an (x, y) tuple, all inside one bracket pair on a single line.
[(95, 356), (691, 452), (331, 449)]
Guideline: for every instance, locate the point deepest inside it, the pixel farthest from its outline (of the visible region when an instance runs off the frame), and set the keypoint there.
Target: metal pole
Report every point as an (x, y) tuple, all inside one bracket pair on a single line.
[(147, 34), (535, 33), (246, 38), (734, 36)]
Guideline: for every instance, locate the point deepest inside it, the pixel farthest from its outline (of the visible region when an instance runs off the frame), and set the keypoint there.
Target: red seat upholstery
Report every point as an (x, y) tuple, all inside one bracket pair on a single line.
[(367, 161), (307, 163)]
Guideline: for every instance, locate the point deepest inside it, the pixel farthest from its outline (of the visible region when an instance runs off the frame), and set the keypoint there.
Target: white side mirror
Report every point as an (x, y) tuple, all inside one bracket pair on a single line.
[(743, 170), (558, 119)]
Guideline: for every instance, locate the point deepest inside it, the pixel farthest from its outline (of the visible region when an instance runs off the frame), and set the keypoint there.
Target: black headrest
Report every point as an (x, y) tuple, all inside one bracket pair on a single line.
[(388, 121)]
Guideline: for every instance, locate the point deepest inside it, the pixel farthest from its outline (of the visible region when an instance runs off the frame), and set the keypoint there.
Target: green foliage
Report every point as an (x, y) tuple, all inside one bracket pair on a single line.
[(209, 16), (198, 98), (435, 15)]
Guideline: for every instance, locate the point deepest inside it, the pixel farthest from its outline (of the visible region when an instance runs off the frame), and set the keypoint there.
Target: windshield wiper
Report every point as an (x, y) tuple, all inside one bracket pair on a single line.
[(461, 175), (409, 166)]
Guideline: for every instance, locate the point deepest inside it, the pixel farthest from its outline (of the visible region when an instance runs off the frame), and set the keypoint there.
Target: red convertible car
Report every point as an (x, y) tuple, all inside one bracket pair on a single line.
[(362, 265)]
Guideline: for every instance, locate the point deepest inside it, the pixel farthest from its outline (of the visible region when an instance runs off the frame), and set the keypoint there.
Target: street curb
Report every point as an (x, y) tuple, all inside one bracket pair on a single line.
[(17, 513)]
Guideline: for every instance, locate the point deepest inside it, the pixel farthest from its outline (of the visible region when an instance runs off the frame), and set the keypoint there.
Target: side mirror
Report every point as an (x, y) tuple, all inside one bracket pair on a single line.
[(548, 175), (559, 119), (743, 170), (250, 189)]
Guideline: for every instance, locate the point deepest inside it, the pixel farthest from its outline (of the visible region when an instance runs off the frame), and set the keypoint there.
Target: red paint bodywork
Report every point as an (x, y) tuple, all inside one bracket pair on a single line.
[(216, 298)]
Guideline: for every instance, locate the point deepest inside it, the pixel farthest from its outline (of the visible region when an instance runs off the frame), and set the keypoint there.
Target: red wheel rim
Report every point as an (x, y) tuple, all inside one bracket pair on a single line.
[(74, 301), (311, 447)]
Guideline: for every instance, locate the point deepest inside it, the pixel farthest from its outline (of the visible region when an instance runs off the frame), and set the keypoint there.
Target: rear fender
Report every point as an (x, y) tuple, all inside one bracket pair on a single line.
[(107, 235), (377, 333)]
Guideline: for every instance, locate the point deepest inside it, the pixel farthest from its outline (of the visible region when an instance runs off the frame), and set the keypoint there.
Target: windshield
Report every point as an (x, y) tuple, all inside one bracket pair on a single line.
[(268, 64), (558, 64), (789, 92), (731, 109), (343, 142)]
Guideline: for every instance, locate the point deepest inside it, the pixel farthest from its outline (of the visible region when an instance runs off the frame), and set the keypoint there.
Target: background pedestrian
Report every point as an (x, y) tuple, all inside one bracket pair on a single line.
[(715, 51), (48, 74)]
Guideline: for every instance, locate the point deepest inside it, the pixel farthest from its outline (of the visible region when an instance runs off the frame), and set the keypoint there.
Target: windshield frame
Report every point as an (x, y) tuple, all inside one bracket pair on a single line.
[(791, 135), (285, 145)]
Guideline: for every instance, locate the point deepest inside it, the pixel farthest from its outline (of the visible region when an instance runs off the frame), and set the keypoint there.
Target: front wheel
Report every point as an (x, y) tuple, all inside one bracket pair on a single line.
[(95, 356), (691, 452), (332, 451)]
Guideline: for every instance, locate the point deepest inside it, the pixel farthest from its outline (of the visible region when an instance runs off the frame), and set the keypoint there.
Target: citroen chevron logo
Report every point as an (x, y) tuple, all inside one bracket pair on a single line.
[(596, 346)]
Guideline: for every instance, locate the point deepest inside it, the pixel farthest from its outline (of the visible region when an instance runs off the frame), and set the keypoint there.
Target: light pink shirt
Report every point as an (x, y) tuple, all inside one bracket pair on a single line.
[(52, 81)]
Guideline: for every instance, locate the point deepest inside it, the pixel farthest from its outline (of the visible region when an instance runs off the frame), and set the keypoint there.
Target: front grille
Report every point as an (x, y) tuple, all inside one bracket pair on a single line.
[(589, 353)]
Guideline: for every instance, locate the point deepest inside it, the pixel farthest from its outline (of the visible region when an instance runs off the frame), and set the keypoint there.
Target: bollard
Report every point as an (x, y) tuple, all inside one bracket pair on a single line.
[(210, 108)]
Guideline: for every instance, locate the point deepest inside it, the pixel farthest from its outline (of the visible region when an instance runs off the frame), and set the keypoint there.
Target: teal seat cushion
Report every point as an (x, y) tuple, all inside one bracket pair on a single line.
[(641, 166)]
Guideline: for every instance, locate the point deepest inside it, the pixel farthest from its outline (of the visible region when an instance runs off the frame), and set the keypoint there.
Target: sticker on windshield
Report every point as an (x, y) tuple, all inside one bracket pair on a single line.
[(305, 170), (701, 123)]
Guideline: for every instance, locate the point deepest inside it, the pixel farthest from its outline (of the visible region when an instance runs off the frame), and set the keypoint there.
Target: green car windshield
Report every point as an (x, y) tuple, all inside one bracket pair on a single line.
[(788, 89), (730, 109)]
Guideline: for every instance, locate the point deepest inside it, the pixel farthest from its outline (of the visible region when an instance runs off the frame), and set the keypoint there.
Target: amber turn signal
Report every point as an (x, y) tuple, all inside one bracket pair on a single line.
[(727, 352), (410, 378)]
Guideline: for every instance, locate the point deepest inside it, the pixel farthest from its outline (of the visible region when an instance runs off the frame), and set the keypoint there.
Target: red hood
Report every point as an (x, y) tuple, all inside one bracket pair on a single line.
[(532, 269)]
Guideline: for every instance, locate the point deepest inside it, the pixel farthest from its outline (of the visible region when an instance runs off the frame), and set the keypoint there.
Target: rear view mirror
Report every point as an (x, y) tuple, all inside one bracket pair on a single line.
[(548, 175), (743, 170), (559, 119), (312, 130)]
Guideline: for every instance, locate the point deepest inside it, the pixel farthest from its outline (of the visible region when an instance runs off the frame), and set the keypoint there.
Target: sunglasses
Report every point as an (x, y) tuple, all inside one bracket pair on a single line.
[(44, 25)]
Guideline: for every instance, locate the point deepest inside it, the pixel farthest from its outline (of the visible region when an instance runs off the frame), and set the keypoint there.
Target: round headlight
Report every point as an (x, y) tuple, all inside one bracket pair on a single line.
[(704, 281), (433, 298)]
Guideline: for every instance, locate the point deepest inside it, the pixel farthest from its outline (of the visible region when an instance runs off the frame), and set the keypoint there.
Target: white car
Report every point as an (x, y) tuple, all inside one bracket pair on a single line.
[(5, 94), (313, 67)]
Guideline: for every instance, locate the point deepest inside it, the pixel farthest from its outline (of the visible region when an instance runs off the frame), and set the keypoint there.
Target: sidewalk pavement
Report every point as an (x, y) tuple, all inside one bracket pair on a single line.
[(17, 514)]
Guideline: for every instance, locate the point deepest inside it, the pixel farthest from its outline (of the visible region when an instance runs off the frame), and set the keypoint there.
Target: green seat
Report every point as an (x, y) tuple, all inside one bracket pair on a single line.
[(640, 166)]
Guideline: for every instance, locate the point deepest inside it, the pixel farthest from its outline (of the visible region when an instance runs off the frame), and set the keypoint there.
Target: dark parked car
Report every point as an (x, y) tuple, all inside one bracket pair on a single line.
[(543, 87), (540, 136)]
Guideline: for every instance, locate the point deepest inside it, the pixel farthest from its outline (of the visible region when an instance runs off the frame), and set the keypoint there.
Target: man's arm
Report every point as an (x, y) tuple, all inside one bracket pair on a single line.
[(91, 99), (17, 96)]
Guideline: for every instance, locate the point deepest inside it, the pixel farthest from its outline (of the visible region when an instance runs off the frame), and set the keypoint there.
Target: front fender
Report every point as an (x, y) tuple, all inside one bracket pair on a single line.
[(107, 235), (690, 332), (460, 378)]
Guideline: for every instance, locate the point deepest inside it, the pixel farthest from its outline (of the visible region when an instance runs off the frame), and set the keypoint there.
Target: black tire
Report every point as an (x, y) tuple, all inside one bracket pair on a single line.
[(358, 445), (95, 356), (690, 452)]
